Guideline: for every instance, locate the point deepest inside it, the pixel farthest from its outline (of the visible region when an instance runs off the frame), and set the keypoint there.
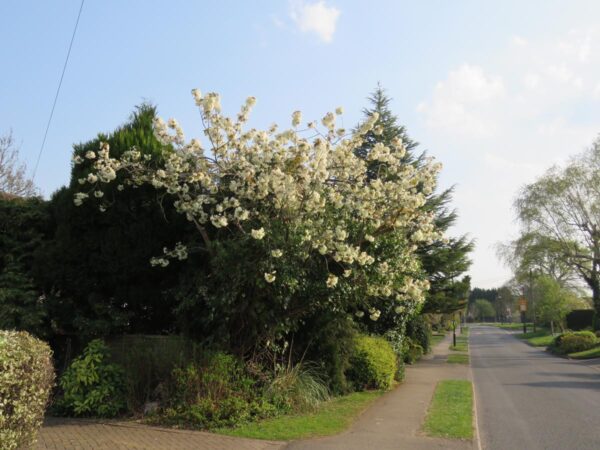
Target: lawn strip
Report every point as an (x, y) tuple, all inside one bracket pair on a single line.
[(332, 417), (458, 358), (461, 344), (450, 414), (539, 338), (586, 354)]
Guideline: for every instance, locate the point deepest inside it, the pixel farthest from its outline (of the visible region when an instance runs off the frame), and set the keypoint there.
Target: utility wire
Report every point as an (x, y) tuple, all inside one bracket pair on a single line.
[(57, 92)]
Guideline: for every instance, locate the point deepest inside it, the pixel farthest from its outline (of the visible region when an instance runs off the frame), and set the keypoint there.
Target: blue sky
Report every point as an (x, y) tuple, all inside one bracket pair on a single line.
[(497, 91)]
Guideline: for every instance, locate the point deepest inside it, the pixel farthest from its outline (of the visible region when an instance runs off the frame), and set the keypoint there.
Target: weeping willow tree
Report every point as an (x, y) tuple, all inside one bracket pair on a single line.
[(560, 220)]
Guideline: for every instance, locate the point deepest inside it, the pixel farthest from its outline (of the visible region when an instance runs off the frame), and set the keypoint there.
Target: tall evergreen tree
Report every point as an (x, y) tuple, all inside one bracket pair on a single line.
[(443, 261), (95, 269)]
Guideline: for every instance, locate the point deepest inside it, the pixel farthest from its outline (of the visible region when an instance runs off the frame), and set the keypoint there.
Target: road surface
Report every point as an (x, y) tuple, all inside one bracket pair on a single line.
[(529, 399)]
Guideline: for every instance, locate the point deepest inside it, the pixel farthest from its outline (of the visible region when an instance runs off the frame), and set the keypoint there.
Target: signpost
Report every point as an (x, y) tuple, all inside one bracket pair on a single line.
[(523, 309)]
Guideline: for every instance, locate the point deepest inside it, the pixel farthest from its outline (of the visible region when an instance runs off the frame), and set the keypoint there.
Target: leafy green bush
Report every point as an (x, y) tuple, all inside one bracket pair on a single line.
[(91, 385), (297, 388), (411, 351), (214, 392), (26, 378), (419, 331), (373, 364), (574, 341), (147, 362)]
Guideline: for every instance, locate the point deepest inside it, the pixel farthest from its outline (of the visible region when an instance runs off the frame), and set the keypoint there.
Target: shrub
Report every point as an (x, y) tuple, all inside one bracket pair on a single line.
[(329, 339), (419, 331), (396, 340), (411, 351), (373, 364), (26, 378), (574, 341), (214, 392), (91, 385), (147, 362), (580, 319)]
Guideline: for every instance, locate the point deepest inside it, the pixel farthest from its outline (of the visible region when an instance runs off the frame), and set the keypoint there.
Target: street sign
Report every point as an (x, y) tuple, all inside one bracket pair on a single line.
[(522, 304)]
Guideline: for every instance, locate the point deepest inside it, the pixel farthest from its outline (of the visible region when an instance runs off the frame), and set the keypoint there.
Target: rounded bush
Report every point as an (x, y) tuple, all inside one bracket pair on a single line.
[(91, 385), (574, 341), (419, 331), (373, 363), (411, 351), (26, 378)]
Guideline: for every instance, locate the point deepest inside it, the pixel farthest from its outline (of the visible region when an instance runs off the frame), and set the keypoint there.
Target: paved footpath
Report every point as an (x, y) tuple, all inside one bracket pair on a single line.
[(70, 434), (529, 399), (392, 422)]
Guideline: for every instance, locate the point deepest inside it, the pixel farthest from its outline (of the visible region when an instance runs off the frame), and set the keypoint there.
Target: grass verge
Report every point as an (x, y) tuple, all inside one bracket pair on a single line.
[(541, 338), (586, 354), (507, 326), (332, 417), (450, 414), (461, 344), (458, 358)]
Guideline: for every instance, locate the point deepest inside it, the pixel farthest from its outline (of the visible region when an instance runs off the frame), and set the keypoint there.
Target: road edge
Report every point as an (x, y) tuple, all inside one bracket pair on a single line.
[(476, 420)]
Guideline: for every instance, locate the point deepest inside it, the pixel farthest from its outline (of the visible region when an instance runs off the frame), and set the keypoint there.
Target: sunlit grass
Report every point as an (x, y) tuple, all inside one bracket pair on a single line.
[(450, 414), (586, 354), (458, 358), (332, 417)]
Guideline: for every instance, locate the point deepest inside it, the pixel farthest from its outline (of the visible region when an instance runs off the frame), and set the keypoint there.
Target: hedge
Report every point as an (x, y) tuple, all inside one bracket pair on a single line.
[(580, 319), (26, 378)]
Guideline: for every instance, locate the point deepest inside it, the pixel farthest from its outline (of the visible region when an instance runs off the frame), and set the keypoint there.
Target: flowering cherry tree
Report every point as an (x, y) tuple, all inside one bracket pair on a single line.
[(289, 220)]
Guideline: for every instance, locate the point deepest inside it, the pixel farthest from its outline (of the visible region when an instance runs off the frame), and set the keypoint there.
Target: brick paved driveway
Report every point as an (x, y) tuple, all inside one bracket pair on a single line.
[(70, 434)]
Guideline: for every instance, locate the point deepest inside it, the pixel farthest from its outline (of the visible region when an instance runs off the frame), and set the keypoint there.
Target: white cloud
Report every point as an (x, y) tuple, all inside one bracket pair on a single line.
[(503, 123), (456, 103), (317, 18)]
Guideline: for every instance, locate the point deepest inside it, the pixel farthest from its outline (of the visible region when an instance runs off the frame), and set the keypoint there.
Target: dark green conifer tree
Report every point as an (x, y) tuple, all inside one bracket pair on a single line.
[(442, 261)]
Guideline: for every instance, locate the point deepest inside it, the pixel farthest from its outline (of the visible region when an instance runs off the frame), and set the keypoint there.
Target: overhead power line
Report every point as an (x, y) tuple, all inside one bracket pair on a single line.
[(62, 75)]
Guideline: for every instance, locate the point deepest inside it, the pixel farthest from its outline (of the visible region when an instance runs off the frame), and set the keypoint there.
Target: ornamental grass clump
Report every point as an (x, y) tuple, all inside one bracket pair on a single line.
[(26, 379), (297, 388)]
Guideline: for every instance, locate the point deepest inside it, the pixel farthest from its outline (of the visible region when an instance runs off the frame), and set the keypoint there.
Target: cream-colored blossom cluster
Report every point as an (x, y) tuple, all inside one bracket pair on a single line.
[(247, 180)]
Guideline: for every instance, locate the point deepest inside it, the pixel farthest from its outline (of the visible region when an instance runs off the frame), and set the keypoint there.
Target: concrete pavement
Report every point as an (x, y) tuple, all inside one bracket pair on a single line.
[(394, 421), (529, 399)]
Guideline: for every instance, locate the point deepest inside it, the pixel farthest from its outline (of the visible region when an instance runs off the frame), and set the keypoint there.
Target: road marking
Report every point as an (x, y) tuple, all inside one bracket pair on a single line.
[(477, 435)]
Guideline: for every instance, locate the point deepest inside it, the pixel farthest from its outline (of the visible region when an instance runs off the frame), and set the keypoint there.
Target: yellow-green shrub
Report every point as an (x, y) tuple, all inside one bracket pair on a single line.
[(26, 378), (574, 341), (373, 363)]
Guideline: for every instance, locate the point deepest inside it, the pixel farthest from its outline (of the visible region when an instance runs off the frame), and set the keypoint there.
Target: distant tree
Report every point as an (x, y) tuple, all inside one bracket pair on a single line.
[(503, 303), (532, 252), (552, 301), (13, 178), (562, 208), (483, 309), (486, 294)]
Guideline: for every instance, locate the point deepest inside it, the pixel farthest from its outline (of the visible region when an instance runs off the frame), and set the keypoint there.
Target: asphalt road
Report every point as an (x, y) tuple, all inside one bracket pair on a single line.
[(528, 399)]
